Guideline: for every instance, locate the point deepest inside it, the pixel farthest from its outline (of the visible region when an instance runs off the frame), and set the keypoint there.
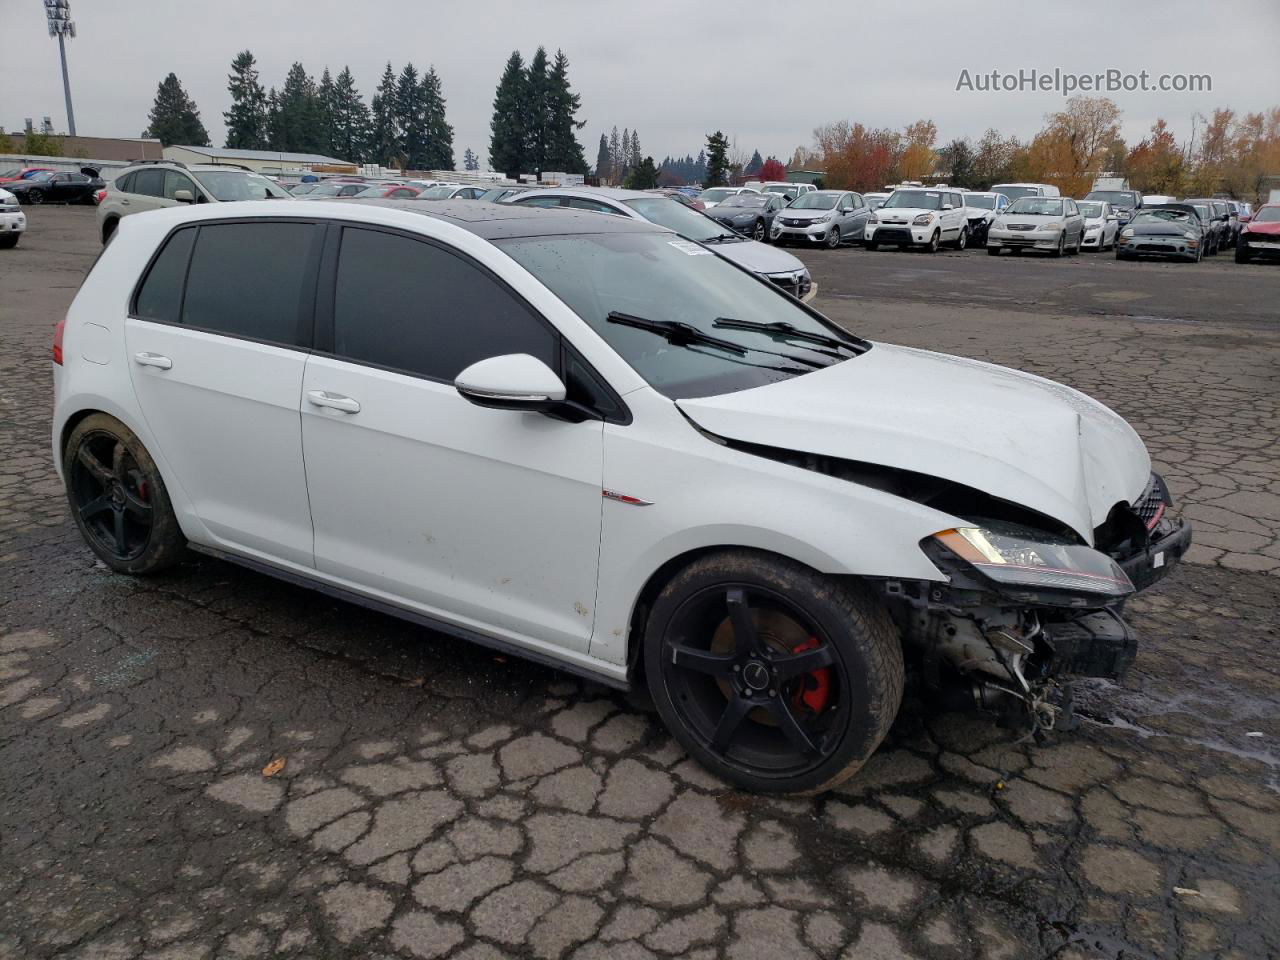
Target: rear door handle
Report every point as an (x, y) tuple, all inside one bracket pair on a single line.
[(153, 360), (323, 398)]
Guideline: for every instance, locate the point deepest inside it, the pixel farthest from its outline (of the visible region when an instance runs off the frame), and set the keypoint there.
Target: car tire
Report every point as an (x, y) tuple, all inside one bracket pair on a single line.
[(962, 240), (9, 242), (1061, 248), (35, 197), (109, 229), (759, 233), (871, 245), (773, 676), (934, 242), (118, 499), (1242, 254), (833, 238)]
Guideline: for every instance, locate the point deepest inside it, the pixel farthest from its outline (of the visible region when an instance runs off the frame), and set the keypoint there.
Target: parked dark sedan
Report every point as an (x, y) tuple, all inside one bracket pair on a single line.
[(50, 187), (748, 213), (1213, 214), (1169, 230)]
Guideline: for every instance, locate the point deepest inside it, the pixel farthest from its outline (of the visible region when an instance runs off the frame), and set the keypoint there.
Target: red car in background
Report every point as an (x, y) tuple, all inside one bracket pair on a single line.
[(21, 173), (1260, 237)]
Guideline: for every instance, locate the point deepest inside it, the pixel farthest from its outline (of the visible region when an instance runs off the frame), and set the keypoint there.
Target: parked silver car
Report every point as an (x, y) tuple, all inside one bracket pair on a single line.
[(830, 217), (1049, 224)]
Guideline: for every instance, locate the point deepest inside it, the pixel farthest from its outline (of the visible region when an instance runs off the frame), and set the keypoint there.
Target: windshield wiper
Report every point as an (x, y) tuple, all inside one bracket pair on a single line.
[(676, 333), (786, 330), (722, 237)]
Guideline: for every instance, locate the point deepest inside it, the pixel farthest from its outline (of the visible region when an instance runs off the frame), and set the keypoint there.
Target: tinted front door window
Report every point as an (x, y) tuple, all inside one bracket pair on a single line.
[(409, 305)]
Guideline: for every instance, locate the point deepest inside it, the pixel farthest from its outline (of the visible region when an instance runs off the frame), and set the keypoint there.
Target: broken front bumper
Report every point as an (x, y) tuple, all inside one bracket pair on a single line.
[(1170, 539)]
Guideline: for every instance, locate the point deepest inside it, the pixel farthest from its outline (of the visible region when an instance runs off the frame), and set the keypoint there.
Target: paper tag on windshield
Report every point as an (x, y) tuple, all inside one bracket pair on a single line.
[(685, 246)]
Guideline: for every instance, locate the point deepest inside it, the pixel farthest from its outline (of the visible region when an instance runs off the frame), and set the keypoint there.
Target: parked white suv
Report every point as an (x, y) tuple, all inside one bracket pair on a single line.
[(920, 216), (586, 440), (12, 220), (153, 185)]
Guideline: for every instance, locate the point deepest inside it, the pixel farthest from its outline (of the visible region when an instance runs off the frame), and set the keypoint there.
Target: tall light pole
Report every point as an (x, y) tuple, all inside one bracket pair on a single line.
[(62, 26)]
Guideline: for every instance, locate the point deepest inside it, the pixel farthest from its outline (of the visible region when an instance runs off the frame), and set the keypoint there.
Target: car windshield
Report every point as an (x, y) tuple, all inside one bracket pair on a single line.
[(781, 189), (1036, 207), (1089, 209), (497, 193), (1124, 199), (235, 185), (40, 177), (437, 193), (915, 199), (814, 200), (376, 190), (1203, 210), (1162, 216), (299, 189), (1015, 193), (676, 216), (1267, 215), (716, 194), (745, 200), (663, 279), (978, 200)]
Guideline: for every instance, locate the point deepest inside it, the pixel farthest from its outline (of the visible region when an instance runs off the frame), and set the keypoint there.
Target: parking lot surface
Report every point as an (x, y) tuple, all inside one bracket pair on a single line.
[(215, 764)]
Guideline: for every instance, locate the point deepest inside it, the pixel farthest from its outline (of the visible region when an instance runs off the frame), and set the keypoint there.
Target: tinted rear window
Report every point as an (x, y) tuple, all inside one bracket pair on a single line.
[(160, 297), (246, 279)]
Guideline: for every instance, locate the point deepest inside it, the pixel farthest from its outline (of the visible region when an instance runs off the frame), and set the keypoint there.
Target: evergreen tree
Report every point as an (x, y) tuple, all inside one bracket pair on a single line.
[(507, 135), (470, 161), (537, 111), (297, 120), (350, 119), (439, 154), (717, 160), (604, 163), (274, 136), (247, 118), (636, 155), (622, 163), (174, 117), (564, 152), (411, 119), (384, 137), (700, 167), (616, 164), (644, 176), (753, 166), (326, 133)]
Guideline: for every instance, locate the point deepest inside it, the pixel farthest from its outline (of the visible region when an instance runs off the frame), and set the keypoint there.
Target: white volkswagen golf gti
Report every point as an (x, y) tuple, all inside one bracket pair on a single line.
[(589, 441)]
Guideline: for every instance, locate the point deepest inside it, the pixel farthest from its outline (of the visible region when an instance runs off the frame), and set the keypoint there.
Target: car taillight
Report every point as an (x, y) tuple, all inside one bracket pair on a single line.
[(100, 196), (57, 341)]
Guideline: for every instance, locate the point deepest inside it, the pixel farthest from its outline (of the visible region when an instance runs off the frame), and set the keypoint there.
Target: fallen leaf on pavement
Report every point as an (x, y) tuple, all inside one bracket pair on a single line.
[(274, 767)]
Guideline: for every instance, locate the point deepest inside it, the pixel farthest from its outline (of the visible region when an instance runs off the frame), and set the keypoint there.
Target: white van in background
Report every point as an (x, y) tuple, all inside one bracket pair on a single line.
[(1015, 191)]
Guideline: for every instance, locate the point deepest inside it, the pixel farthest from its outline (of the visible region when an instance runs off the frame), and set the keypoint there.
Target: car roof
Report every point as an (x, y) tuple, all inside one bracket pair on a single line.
[(607, 193), (497, 221)]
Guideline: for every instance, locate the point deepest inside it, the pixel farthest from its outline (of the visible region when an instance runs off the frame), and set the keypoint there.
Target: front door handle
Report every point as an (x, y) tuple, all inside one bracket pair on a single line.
[(323, 398), (153, 360)]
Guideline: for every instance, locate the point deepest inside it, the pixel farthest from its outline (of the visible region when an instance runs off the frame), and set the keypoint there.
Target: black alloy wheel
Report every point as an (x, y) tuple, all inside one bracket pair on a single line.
[(117, 498), (35, 196), (775, 679)]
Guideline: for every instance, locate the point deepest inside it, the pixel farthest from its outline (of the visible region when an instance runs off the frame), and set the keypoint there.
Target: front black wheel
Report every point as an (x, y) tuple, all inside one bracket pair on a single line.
[(118, 499), (10, 241), (759, 233), (775, 677), (962, 240), (35, 197), (833, 238)]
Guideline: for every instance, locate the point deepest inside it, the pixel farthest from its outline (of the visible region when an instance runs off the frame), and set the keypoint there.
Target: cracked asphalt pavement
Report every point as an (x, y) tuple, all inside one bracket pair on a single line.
[(212, 763)]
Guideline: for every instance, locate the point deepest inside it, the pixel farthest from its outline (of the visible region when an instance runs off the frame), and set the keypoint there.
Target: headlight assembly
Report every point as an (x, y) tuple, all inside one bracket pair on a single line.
[(1052, 227), (923, 220), (1018, 558)]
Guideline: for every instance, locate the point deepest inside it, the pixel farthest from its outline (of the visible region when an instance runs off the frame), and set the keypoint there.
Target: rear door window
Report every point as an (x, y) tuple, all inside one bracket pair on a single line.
[(160, 296), (247, 279), (408, 305), (149, 183)]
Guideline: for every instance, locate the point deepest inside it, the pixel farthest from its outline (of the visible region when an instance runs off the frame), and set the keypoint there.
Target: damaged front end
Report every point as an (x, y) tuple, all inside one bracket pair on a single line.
[(1024, 610)]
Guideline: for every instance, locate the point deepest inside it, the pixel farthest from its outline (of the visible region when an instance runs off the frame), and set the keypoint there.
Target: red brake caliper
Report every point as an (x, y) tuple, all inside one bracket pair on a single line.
[(816, 689)]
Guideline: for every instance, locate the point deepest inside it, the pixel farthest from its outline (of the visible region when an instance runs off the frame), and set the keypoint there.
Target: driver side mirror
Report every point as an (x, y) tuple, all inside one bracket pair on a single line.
[(947, 206), (183, 196), (516, 381)]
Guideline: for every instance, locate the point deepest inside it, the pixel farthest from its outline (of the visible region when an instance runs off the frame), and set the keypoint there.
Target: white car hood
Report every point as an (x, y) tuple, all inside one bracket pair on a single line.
[(1013, 435), (757, 257), (903, 213)]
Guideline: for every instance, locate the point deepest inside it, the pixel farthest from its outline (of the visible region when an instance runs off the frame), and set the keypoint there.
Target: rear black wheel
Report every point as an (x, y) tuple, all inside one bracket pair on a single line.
[(775, 677), (35, 196), (759, 233), (117, 498)]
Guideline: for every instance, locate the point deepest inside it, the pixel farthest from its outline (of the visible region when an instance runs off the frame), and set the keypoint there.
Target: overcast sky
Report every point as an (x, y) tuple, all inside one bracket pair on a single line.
[(766, 74)]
